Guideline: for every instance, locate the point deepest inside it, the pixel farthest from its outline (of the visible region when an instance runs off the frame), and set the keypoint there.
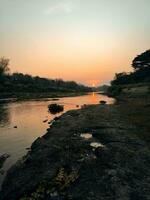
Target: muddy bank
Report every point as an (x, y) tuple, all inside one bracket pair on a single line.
[(64, 164)]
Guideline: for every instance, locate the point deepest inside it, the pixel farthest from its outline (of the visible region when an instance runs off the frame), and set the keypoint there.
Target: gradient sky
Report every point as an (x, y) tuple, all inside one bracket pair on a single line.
[(83, 40)]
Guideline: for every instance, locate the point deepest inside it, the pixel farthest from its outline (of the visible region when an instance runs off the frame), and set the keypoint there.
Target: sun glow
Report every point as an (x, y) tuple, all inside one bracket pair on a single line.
[(93, 83)]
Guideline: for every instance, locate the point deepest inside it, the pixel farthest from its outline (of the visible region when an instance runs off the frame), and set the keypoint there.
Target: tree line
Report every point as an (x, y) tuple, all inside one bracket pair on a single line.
[(140, 74), (19, 82)]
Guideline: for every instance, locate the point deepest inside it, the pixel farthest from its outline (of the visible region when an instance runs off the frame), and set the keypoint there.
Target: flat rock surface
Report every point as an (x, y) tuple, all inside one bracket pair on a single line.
[(118, 167)]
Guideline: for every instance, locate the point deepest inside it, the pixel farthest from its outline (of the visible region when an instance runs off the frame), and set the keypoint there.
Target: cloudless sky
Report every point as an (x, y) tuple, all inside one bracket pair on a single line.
[(83, 40)]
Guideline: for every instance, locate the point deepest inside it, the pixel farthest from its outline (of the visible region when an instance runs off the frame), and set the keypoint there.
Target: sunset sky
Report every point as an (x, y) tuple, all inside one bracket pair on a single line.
[(83, 40)]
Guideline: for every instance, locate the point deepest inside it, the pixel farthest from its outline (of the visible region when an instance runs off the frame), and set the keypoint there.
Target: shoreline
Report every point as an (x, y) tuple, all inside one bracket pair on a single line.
[(38, 97), (62, 150)]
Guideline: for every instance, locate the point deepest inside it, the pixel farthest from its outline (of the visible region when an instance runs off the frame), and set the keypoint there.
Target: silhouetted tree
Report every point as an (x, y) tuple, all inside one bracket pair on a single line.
[(4, 66), (141, 73), (142, 60), (19, 83)]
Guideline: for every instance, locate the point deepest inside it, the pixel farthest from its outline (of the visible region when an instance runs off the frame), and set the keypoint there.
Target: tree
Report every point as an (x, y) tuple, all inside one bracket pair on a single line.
[(120, 75), (4, 66), (142, 61)]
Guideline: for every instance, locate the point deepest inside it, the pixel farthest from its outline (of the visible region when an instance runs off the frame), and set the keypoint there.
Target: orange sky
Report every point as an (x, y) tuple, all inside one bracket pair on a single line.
[(86, 41)]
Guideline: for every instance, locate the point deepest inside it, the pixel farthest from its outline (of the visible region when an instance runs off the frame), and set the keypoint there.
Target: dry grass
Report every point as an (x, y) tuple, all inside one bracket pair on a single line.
[(136, 112)]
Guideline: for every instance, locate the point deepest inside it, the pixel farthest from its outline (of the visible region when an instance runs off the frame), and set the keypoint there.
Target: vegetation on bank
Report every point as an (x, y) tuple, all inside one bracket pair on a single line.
[(16, 84), (140, 74), (52, 188), (102, 88), (141, 71)]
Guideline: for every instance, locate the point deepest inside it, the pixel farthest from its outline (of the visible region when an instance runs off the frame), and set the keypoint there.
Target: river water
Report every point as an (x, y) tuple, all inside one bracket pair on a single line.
[(22, 122)]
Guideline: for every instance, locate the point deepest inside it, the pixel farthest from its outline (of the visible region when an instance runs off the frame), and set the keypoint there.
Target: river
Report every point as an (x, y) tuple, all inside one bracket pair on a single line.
[(22, 122)]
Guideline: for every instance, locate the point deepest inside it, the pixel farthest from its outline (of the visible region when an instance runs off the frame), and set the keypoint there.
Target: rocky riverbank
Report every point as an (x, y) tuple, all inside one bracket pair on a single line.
[(3, 158), (96, 153)]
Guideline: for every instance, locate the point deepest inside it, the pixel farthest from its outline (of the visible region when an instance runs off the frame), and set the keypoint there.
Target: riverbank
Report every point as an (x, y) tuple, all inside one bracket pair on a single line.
[(110, 162), (4, 98)]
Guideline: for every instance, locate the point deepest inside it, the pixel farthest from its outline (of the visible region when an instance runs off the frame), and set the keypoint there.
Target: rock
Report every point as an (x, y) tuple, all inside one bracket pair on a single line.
[(51, 122), (15, 127), (54, 194), (56, 118), (55, 99), (103, 102), (84, 106), (28, 148), (112, 172), (55, 108), (45, 120)]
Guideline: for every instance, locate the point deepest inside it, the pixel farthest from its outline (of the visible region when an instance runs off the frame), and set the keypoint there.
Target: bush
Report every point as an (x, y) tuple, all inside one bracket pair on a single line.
[(114, 90)]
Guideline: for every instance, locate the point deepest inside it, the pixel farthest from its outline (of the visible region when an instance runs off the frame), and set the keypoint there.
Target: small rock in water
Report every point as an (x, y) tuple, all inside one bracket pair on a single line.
[(103, 102), (55, 108), (55, 99), (45, 120), (28, 148), (57, 118), (83, 106)]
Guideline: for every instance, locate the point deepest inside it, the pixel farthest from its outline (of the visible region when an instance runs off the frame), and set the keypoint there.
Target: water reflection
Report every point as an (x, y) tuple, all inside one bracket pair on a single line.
[(94, 98)]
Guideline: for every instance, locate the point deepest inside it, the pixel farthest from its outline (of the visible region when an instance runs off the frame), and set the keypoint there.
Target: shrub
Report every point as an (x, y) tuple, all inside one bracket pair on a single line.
[(114, 90)]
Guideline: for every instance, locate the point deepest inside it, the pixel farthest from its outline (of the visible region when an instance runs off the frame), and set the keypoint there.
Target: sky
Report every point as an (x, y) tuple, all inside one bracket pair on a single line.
[(83, 40)]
